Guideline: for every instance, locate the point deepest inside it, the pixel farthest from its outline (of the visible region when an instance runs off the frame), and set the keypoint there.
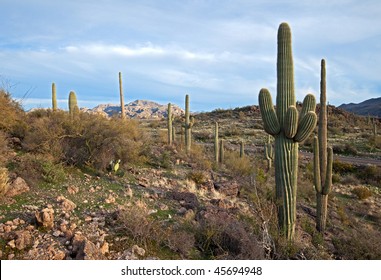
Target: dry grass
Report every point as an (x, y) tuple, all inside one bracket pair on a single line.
[(4, 184)]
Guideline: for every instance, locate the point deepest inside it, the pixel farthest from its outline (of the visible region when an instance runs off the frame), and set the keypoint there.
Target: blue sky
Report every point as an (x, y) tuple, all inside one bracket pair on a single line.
[(220, 52)]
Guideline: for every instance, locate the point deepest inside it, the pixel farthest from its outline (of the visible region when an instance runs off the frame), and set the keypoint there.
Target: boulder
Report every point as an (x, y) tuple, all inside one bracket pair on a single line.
[(45, 217), (66, 204), (18, 186)]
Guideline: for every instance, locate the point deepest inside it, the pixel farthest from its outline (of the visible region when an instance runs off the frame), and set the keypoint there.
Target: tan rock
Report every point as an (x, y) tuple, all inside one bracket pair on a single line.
[(138, 251), (66, 204), (72, 189), (45, 217), (18, 186)]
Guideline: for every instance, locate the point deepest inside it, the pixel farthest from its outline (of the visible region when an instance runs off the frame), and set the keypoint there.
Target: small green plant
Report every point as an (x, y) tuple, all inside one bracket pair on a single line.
[(197, 176)]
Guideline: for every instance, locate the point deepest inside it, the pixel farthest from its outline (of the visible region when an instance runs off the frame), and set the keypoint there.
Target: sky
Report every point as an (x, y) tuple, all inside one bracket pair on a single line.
[(220, 52)]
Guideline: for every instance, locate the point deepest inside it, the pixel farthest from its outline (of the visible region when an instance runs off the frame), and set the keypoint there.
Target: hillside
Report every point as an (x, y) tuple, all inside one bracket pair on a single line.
[(370, 107)]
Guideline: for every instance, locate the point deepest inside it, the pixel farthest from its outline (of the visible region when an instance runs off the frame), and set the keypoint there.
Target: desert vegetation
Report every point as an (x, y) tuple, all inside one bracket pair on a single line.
[(79, 185)]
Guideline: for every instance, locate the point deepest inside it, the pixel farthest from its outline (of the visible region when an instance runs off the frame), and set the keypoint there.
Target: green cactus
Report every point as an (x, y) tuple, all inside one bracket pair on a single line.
[(323, 158), (222, 151), (170, 118), (54, 97), (189, 122), (242, 149), (374, 129), (123, 112), (216, 148), (73, 106), (269, 153), (288, 129)]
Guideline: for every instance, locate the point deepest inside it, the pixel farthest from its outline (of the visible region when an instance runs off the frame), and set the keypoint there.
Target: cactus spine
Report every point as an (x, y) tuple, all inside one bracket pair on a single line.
[(241, 150), (189, 121), (73, 106), (288, 129), (216, 148), (123, 113), (222, 151), (170, 118), (54, 97), (323, 158), (269, 153)]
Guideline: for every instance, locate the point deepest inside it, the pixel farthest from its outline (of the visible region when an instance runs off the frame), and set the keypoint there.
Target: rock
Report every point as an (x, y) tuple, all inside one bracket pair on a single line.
[(138, 251), (45, 218), (19, 239), (186, 199), (129, 192), (228, 188), (72, 189), (66, 204), (83, 249), (18, 186), (104, 248), (110, 199)]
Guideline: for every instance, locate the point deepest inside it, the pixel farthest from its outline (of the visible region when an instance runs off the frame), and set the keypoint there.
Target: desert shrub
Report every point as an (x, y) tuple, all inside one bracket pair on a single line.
[(236, 165), (180, 241), (3, 148), (362, 192), (231, 130), (362, 245), (11, 115), (38, 168), (349, 179), (88, 140), (198, 158), (343, 167), (197, 176), (370, 174), (4, 184)]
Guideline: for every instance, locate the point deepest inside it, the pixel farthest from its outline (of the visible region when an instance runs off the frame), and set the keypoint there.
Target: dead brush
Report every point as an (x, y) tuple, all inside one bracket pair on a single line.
[(4, 183)]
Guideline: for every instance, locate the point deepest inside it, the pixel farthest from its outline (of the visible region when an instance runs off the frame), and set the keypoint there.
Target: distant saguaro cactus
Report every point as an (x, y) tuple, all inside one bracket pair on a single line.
[(374, 129), (54, 97), (222, 151), (323, 158), (123, 112), (73, 105), (216, 148), (242, 149), (289, 128), (189, 122), (170, 118), (269, 153)]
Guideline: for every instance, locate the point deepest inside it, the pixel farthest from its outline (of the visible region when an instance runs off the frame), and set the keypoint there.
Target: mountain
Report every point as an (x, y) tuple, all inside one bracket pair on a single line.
[(138, 109), (371, 107)]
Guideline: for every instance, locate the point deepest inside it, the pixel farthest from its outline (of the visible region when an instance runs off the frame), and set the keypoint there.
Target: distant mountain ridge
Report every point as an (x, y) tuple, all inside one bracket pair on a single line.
[(138, 109), (371, 107)]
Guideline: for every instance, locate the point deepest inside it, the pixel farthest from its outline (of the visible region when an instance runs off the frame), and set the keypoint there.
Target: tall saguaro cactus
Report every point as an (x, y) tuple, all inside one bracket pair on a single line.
[(189, 121), (123, 112), (216, 148), (54, 97), (170, 118), (323, 158), (289, 128), (73, 106), (222, 151)]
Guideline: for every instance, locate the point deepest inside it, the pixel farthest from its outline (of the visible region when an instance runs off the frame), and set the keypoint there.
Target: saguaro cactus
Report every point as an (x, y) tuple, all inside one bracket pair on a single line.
[(54, 97), (189, 121), (170, 118), (374, 129), (269, 153), (323, 158), (123, 112), (216, 148), (222, 151), (288, 129), (73, 106), (242, 149)]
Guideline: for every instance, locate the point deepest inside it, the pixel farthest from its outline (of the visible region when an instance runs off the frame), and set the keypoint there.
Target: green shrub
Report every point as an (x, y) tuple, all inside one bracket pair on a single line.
[(362, 192), (238, 166), (197, 176)]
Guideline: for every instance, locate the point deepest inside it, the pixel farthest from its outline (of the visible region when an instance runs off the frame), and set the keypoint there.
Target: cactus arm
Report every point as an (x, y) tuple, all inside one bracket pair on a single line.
[(317, 181), (306, 126), (290, 124), (328, 180), (309, 104), (270, 120)]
